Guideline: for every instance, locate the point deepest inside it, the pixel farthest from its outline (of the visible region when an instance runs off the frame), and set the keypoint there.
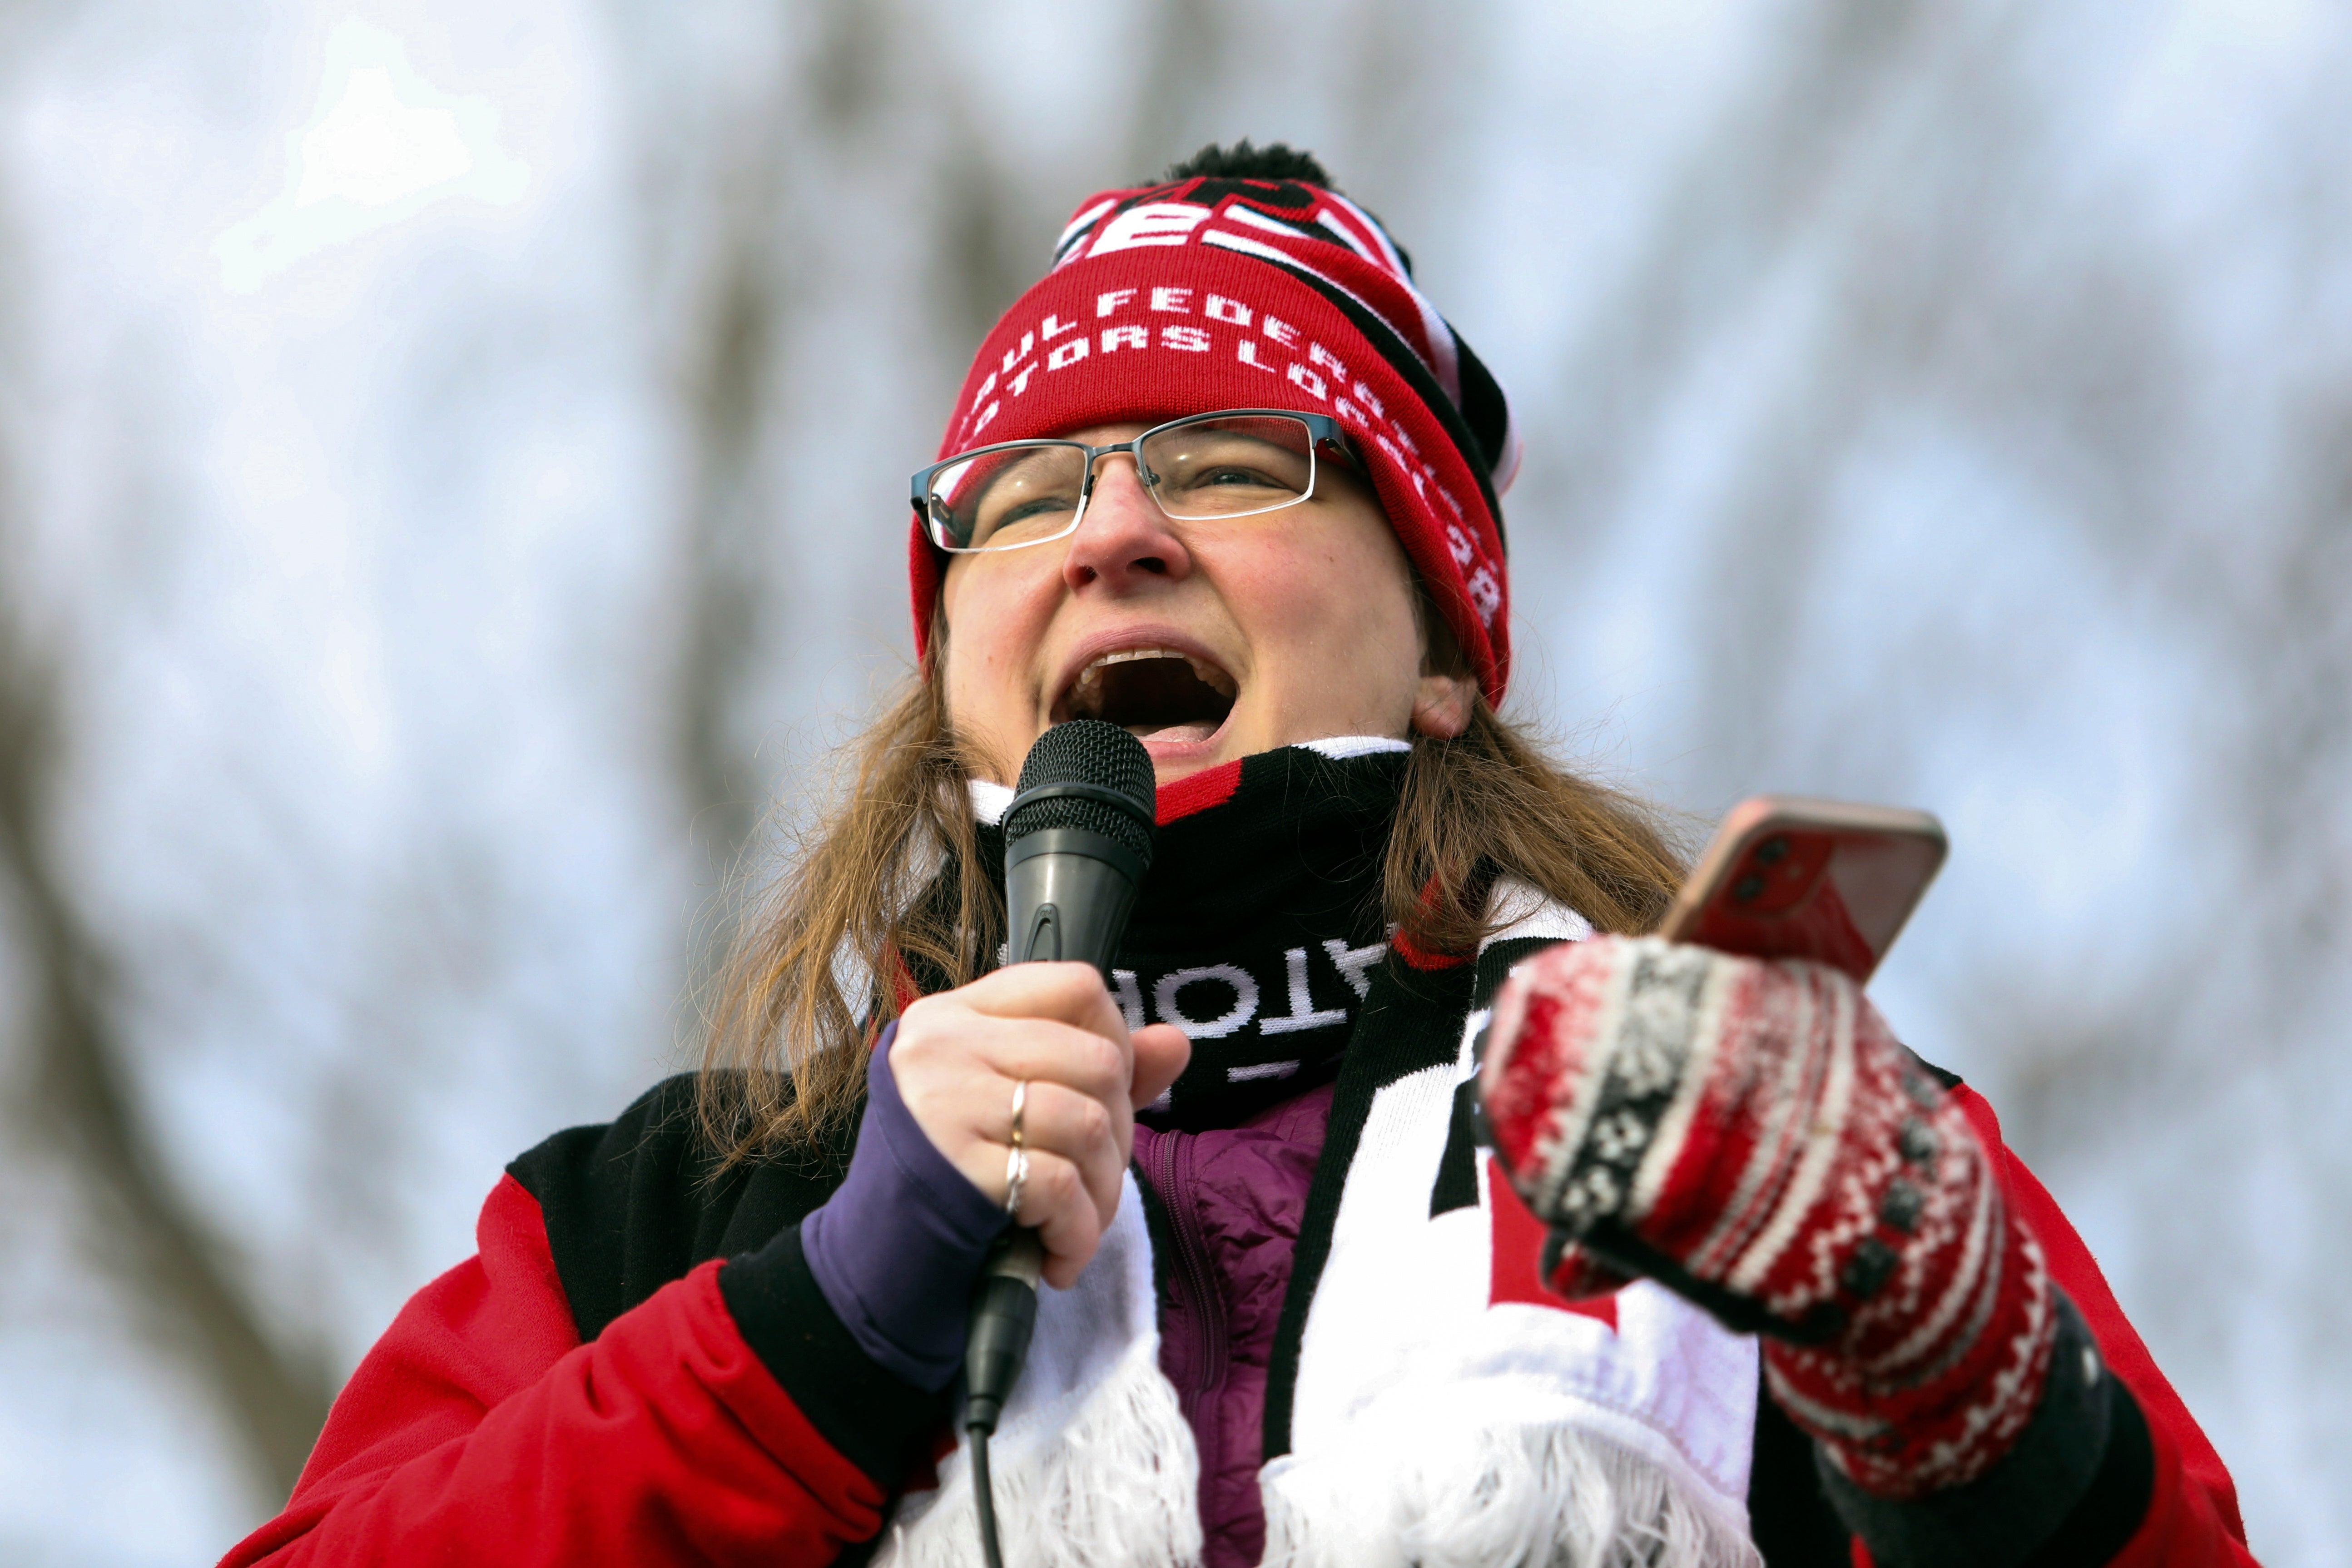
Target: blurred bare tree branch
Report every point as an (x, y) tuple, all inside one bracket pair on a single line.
[(80, 1106), (729, 400), (1183, 46), (2293, 636), (168, 1263), (1764, 176)]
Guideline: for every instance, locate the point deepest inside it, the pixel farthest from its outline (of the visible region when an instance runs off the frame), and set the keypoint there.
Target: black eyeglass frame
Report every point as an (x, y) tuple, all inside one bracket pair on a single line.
[(1322, 431)]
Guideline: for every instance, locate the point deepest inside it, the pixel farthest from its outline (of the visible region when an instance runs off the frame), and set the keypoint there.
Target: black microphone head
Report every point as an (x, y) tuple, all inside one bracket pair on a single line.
[(1102, 760)]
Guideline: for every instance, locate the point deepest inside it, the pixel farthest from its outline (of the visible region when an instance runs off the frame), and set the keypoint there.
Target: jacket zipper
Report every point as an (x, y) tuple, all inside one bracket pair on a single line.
[(1171, 1157)]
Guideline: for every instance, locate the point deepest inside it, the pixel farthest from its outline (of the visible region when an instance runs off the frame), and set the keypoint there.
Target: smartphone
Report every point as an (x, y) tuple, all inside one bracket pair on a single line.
[(1787, 877)]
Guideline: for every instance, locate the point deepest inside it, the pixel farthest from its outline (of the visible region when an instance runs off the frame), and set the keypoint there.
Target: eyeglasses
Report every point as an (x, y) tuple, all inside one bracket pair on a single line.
[(1235, 463)]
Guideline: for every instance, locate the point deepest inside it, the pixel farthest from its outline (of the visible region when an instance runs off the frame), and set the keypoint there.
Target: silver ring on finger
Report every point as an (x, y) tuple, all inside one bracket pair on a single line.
[(1019, 1108), (1016, 1177)]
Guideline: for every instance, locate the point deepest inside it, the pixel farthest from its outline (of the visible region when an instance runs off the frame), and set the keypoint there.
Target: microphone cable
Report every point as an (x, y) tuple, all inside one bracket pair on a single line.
[(983, 1498), (1005, 1312)]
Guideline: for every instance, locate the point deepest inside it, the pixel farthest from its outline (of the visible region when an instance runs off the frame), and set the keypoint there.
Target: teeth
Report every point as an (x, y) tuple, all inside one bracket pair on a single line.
[(1129, 655), (1209, 673), (1215, 679)]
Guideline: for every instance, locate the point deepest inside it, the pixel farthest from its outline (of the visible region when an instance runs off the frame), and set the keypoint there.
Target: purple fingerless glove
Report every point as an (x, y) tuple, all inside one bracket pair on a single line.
[(898, 1245)]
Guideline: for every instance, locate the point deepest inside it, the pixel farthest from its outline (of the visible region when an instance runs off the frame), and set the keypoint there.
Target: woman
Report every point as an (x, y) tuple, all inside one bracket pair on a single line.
[(1235, 490)]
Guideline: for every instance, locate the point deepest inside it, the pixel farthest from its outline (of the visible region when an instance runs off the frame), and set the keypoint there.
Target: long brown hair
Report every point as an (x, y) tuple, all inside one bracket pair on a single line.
[(819, 966)]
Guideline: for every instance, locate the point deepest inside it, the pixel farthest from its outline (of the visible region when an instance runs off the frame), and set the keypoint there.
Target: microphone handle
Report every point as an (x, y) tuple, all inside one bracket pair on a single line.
[(1069, 890), (1003, 1314)]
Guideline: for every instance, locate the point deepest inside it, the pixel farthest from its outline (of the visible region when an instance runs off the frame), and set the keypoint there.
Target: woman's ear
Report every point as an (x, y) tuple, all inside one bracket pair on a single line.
[(1441, 705), (1442, 702)]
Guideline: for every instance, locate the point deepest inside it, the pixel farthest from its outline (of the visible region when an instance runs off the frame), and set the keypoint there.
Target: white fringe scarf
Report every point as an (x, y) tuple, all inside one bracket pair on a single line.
[(1430, 1425)]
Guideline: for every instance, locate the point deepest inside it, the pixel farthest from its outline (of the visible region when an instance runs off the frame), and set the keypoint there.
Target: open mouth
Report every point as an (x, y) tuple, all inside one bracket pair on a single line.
[(1153, 693)]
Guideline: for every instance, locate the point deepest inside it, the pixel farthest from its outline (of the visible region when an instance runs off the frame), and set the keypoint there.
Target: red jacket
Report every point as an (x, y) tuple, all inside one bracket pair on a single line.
[(720, 1413)]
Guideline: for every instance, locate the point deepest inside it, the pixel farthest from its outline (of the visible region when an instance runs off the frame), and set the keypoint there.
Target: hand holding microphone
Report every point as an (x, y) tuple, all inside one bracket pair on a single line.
[(960, 1057), (1079, 838)]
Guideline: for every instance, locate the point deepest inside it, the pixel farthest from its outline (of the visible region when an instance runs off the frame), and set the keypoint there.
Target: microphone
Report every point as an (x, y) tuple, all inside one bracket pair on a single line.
[(1077, 840)]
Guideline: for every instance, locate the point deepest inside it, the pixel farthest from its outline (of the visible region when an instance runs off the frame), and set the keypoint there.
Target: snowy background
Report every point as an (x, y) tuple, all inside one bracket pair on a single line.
[(450, 465)]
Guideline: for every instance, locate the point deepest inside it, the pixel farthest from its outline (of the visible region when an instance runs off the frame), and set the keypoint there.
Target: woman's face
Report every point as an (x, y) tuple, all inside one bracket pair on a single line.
[(1209, 640)]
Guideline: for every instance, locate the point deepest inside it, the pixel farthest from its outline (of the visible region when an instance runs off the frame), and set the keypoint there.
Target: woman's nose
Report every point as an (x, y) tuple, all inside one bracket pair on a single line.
[(1124, 536)]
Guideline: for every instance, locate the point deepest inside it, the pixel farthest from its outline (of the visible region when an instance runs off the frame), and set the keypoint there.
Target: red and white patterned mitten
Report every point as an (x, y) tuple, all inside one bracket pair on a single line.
[(1750, 1134)]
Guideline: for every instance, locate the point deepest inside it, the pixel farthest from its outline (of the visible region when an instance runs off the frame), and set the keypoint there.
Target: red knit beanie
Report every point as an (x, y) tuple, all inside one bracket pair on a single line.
[(1213, 293)]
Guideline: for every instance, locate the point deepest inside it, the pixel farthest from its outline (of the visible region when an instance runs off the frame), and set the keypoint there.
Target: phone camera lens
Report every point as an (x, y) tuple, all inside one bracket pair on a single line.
[(1747, 889), (1772, 851)]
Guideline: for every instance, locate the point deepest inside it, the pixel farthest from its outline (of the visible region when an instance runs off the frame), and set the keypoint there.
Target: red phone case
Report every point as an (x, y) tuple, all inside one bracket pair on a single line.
[(1788, 877)]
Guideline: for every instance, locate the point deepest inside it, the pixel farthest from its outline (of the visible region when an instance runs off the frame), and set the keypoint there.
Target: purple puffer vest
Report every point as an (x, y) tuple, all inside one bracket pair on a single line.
[(1233, 1198)]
